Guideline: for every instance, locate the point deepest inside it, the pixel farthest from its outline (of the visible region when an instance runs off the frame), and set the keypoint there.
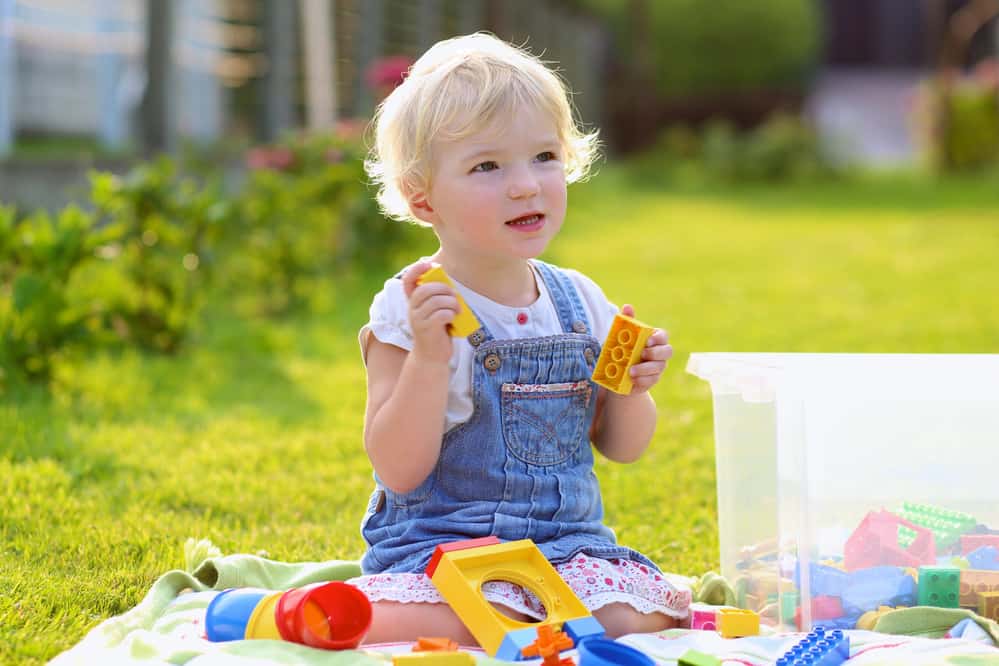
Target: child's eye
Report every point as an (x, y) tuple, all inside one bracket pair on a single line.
[(485, 166), (547, 156)]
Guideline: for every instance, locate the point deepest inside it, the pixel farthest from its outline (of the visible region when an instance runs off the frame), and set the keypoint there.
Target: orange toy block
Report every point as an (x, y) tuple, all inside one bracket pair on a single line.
[(435, 645), (622, 349), (988, 605), (548, 646), (464, 323), (737, 622), (974, 581)]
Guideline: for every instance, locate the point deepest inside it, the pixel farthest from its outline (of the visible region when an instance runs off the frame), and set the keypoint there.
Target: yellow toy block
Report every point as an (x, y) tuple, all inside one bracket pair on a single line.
[(464, 323), (622, 349), (460, 574), (433, 659), (988, 605), (737, 622)]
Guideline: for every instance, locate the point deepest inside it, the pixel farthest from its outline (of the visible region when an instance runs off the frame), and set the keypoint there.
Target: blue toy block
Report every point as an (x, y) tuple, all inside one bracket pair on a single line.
[(583, 627), (869, 589), (818, 648), (824, 581), (984, 558), (514, 642)]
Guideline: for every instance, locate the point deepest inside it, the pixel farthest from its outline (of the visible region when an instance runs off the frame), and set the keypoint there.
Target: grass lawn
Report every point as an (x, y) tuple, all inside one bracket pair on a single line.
[(251, 437)]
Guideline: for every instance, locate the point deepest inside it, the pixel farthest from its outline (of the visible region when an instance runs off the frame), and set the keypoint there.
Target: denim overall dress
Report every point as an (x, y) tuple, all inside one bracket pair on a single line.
[(521, 467)]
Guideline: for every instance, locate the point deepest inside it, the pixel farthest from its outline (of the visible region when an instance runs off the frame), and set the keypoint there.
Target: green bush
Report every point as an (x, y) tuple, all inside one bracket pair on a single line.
[(783, 148), (306, 213), (958, 121), (724, 46), (165, 230), (41, 312)]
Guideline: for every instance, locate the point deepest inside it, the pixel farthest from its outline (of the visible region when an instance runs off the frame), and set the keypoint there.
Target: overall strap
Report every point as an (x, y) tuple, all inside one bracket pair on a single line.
[(565, 297)]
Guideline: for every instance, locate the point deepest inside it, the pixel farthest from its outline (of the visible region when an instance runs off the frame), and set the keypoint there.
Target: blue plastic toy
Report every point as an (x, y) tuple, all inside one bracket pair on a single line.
[(605, 652), (818, 648)]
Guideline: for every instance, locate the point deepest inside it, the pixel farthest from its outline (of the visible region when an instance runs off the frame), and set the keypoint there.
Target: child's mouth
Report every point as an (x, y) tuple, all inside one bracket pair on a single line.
[(527, 222)]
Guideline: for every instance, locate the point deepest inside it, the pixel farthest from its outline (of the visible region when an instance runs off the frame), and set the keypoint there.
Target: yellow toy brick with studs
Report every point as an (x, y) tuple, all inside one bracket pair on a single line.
[(464, 323), (622, 349)]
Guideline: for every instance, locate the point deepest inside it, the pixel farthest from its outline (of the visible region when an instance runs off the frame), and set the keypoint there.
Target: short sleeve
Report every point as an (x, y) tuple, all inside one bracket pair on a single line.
[(388, 319), (601, 310)]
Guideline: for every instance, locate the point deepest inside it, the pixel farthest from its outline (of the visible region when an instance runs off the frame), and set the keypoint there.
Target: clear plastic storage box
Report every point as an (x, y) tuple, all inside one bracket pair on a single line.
[(844, 477)]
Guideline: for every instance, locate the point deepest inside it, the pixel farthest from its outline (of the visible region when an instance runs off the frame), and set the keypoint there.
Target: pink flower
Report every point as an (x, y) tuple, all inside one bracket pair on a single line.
[(388, 72)]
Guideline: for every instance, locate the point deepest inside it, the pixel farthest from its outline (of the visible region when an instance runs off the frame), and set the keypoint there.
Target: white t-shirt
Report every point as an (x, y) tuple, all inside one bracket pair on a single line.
[(389, 322)]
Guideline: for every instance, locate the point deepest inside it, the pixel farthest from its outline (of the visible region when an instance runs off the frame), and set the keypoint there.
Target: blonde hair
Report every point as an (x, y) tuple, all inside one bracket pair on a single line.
[(458, 87)]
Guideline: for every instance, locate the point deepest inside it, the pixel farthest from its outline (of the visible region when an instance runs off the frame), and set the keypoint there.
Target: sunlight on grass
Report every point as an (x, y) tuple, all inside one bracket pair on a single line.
[(252, 436)]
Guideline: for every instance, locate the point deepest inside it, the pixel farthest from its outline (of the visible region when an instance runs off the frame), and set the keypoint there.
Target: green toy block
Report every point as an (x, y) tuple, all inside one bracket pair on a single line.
[(695, 658), (939, 586), (947, 526)]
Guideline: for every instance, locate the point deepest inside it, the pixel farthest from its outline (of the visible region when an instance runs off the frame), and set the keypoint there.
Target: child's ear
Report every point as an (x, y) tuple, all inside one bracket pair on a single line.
[(420, 207)]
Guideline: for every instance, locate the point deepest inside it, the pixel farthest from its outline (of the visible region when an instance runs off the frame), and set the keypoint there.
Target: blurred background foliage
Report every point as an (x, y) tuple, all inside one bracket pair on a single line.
[(269, 220)]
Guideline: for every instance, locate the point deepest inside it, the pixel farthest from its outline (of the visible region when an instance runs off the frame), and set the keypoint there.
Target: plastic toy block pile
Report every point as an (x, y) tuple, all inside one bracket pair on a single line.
[(917, 555)]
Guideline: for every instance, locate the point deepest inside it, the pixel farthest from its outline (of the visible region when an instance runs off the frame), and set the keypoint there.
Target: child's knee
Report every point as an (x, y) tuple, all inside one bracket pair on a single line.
[(619, 619)]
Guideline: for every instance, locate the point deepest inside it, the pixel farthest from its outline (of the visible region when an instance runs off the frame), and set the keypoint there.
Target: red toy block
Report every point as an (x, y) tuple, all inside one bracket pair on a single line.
[(457, 545), (970, 542), (705, 620), (875, 543)]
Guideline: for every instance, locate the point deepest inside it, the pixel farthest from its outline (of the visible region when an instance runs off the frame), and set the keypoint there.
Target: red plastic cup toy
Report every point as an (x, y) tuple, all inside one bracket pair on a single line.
[(331, 616)]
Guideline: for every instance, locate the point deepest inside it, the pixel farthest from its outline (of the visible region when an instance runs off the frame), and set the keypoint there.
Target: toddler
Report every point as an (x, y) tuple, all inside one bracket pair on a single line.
[(490, 434)]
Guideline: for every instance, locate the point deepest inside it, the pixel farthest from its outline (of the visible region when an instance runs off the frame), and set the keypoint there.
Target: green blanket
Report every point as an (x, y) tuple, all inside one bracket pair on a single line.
[(167, 626)]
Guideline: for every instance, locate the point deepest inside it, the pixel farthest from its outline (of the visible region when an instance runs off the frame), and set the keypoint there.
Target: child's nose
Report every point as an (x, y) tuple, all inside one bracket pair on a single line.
[(523, 183)]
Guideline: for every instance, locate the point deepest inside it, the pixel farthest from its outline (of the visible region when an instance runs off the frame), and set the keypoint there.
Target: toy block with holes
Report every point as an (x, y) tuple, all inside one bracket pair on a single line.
[(988, 605), (738, 622), (464, 323), (939, 586), (622, 349), (974, 582), (703, 617), (458, 571)]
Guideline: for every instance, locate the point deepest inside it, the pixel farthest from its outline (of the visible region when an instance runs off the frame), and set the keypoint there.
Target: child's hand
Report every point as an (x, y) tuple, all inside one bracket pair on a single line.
[(657, 352), (432, 306)]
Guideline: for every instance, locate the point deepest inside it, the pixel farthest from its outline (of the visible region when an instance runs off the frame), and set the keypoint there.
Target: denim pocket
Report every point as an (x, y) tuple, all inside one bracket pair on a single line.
[(543, 424)]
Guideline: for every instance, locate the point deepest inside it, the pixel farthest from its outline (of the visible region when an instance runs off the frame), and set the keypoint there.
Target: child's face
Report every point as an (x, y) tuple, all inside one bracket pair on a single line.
[(500, 193)]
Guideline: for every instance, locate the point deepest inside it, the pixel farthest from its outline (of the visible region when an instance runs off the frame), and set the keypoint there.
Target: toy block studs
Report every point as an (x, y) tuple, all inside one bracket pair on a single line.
[(939, 586), (622, 349), (818, 648), (464, 323)]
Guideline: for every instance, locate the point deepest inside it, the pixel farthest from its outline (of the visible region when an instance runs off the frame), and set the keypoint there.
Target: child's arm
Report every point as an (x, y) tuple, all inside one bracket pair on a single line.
[(407, 391), (624, 424)]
